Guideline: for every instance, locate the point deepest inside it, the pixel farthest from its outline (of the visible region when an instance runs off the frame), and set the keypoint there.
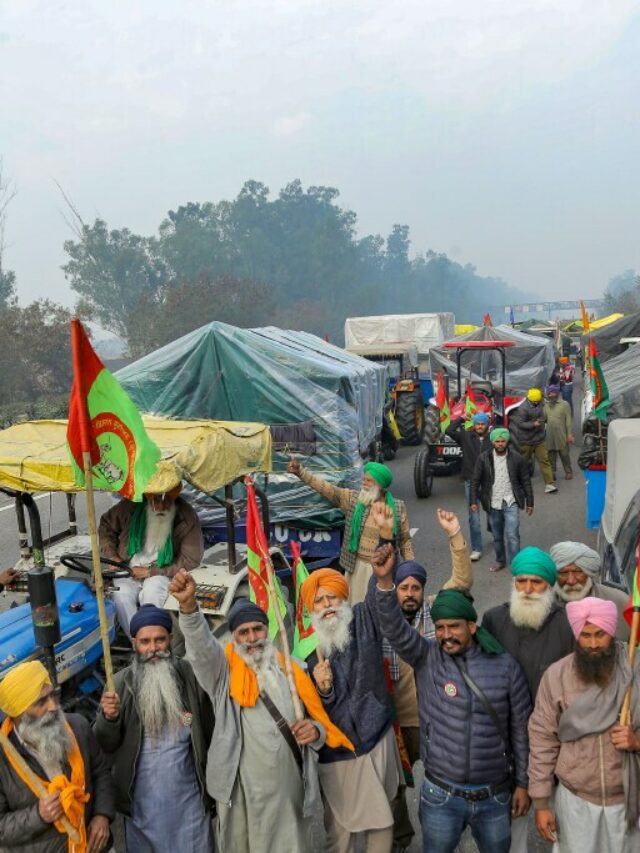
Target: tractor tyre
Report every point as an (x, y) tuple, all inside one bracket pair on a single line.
[(432, 425), (422, 474), (410, 416)]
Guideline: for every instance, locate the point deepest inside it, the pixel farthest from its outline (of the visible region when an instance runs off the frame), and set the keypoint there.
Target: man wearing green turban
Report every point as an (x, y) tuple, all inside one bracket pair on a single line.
[(361, 533), (475, 759)]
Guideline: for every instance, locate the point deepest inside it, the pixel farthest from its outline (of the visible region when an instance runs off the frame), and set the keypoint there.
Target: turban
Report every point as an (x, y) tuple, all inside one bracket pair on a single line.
[(564, 359), (481, 418), (380, 473), (148, 615), (243, 611), (21, 687), (553, 389), (575, 553), (410, 569), (499, 432), (534, 561), (453, 604), (596, 611), (534, 395), (326, 578)]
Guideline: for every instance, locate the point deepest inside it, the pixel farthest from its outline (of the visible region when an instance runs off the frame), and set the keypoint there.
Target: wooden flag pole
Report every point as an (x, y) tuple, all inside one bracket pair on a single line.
[(97, 570), (35, 782), (625, 713)]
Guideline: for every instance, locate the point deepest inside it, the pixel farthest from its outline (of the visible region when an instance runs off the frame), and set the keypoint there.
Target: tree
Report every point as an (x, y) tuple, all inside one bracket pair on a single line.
[(7, 277), (623, 293)]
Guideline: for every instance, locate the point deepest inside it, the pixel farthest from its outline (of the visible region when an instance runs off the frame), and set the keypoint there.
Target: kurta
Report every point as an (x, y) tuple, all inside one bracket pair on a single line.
[(559, 424), (269, 780)]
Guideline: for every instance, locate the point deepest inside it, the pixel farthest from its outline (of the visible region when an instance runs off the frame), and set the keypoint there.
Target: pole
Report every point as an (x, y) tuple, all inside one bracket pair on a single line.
[(35, 782), (97, 570), (625, 713)]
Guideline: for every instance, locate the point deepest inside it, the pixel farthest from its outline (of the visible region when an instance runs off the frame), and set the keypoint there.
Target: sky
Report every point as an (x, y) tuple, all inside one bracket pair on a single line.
[(505, 133)]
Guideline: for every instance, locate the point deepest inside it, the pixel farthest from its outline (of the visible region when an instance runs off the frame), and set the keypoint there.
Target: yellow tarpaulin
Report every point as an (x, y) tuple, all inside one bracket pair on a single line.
[(209, 454), (604, 321), (464, 328)]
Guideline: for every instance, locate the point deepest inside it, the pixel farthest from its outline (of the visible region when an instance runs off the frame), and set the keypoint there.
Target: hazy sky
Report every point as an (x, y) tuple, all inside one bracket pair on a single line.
[(504, 132)]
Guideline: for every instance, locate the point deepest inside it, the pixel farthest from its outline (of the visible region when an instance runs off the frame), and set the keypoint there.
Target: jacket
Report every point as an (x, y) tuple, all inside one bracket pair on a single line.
[(22, 830), (346, 500), (534, 650), (471, 443), (522, 423), (122, 738), (359, 702), (484, 476), (459, 741), (188, 546), (590, 767), (559, 424)]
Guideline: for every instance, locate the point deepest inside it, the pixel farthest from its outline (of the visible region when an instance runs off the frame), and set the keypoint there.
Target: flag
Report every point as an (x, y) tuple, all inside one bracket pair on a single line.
[(598, 384), (257, 555), (512, 318), (634, 598), (586, 326), (486, 320), (304, 637), (443, 403), (470, 406), (104, 422)]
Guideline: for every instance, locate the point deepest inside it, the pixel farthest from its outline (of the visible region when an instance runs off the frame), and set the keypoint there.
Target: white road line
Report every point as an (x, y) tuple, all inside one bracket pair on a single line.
[(37, 498), (413, 531)]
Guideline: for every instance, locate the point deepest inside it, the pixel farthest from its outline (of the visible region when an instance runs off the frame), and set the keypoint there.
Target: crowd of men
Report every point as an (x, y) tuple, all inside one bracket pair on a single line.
[(230, 748)]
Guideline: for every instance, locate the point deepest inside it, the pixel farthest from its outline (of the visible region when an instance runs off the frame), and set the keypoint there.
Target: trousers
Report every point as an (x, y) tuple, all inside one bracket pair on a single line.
[(505, 527), (131, 593), (475, 520), (539, 451), (565, 458)]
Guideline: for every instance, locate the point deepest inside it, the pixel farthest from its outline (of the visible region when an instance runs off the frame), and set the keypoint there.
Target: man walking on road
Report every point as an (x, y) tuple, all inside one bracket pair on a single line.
[(528, 425), (473, 442), (501, 483), (577, 740), (559, 431), (567, 374)]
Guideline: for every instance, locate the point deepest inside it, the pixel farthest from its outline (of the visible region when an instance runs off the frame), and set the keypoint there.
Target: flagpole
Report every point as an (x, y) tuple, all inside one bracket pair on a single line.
[(625, 713)]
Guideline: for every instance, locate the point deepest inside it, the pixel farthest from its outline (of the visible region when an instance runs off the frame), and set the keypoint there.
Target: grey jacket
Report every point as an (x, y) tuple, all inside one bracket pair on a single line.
[(122, 738), (523, 422), (206, 655), (22, 830)]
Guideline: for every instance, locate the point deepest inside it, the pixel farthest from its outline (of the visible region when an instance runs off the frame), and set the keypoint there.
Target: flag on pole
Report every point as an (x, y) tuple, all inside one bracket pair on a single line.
[(104, 422), (486, 320), (586, 326), (598, 384), (634, 598), (470, 406), (443, 403), (257, 556), (304, 637)]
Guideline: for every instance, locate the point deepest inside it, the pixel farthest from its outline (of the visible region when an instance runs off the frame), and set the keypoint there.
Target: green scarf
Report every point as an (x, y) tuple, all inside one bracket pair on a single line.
[(137, 533), (357, 517), (453, 604)]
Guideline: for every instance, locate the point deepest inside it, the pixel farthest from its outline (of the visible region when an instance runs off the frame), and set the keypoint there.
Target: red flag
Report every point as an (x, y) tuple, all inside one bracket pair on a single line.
[(486, 320)]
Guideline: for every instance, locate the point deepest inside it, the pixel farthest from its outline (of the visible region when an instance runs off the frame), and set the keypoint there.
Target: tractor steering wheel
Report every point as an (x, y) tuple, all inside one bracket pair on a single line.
[(83, 563)]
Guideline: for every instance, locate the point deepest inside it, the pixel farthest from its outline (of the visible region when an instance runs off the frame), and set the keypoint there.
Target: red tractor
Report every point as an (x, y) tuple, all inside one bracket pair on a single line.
[(441, 455)]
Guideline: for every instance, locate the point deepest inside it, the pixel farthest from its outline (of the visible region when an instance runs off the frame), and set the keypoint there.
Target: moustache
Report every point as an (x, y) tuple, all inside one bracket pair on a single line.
[(145, 657)]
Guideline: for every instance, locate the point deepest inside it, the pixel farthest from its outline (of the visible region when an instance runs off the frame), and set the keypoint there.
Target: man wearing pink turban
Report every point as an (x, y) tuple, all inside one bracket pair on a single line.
[(576, 739)]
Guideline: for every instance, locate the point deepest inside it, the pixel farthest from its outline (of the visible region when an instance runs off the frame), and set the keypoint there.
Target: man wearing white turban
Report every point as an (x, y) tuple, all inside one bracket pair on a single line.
[(577, 577)]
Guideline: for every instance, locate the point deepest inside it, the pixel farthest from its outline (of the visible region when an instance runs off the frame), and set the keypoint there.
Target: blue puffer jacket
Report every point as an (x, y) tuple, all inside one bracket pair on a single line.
[(359, 701), (459, 742)]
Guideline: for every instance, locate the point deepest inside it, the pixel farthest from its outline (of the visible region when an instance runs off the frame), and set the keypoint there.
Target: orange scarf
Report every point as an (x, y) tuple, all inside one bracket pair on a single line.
[(72, 793), (243, 687)]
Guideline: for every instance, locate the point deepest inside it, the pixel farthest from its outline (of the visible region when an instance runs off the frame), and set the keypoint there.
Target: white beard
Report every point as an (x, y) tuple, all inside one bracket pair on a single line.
[(159, 701), (576, 592), (159, 528), (333, 634), (48, 736), (271, 679), (369, 496), (531, 611)]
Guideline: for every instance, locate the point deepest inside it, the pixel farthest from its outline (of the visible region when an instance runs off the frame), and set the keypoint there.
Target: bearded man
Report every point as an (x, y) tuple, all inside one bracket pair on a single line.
[(577, 577), (62, 752), (576, 738), (360, 538), (156, 538), (158, 720), (261, 767)]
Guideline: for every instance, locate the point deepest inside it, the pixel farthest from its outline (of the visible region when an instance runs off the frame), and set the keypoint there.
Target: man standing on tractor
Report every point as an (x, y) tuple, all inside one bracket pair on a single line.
[(528, 424), (361, 535), (473, 442)]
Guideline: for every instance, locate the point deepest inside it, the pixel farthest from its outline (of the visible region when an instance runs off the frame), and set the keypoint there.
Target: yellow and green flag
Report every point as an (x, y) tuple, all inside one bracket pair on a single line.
[(599, 388), (304, 637)]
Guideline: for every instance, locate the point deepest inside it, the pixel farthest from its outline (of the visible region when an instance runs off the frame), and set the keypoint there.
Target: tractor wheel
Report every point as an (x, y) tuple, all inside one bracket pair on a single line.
[(432, 425), (422, 474), (410, 416)]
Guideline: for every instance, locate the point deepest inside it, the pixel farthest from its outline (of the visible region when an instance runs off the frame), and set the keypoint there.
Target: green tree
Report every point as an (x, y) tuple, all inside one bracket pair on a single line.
[(623, 293)]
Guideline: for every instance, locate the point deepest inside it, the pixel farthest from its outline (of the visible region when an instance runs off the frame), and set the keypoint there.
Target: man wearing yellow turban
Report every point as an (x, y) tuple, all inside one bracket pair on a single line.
[(63, 758)]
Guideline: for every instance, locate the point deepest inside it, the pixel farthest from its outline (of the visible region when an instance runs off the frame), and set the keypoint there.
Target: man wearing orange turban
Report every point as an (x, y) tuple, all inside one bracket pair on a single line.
[(61, 750)]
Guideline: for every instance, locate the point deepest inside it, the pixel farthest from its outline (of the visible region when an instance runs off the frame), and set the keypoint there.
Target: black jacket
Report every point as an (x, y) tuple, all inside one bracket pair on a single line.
[(484, 475), (22, 830), (534, 650), (471, 443), (122, 738), (521, 423)]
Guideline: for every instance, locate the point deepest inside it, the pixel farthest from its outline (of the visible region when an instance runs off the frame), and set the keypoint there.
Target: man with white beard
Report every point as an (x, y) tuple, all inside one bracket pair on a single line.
[(158, 723), (62, 752), (156, 538), (361, 536), (578, 577), (359, 790), (261, 768)]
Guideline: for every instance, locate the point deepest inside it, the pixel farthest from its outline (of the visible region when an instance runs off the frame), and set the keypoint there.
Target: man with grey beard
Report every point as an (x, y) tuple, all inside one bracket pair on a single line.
[(62, 752), (157, 725)]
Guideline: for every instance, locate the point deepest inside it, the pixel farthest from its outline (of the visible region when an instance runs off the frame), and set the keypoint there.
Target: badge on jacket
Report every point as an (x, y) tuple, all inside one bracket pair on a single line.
[(187, 718), (450, 689)]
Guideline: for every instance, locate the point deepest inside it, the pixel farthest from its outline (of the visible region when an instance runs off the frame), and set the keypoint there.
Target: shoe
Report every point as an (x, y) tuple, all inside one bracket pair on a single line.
[(497, 568), (475, 555), (568, 476), (550, 489)]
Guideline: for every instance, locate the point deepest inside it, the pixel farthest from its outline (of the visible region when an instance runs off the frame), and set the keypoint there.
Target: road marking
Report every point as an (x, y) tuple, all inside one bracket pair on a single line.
[(413, 531), (37, 498)]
